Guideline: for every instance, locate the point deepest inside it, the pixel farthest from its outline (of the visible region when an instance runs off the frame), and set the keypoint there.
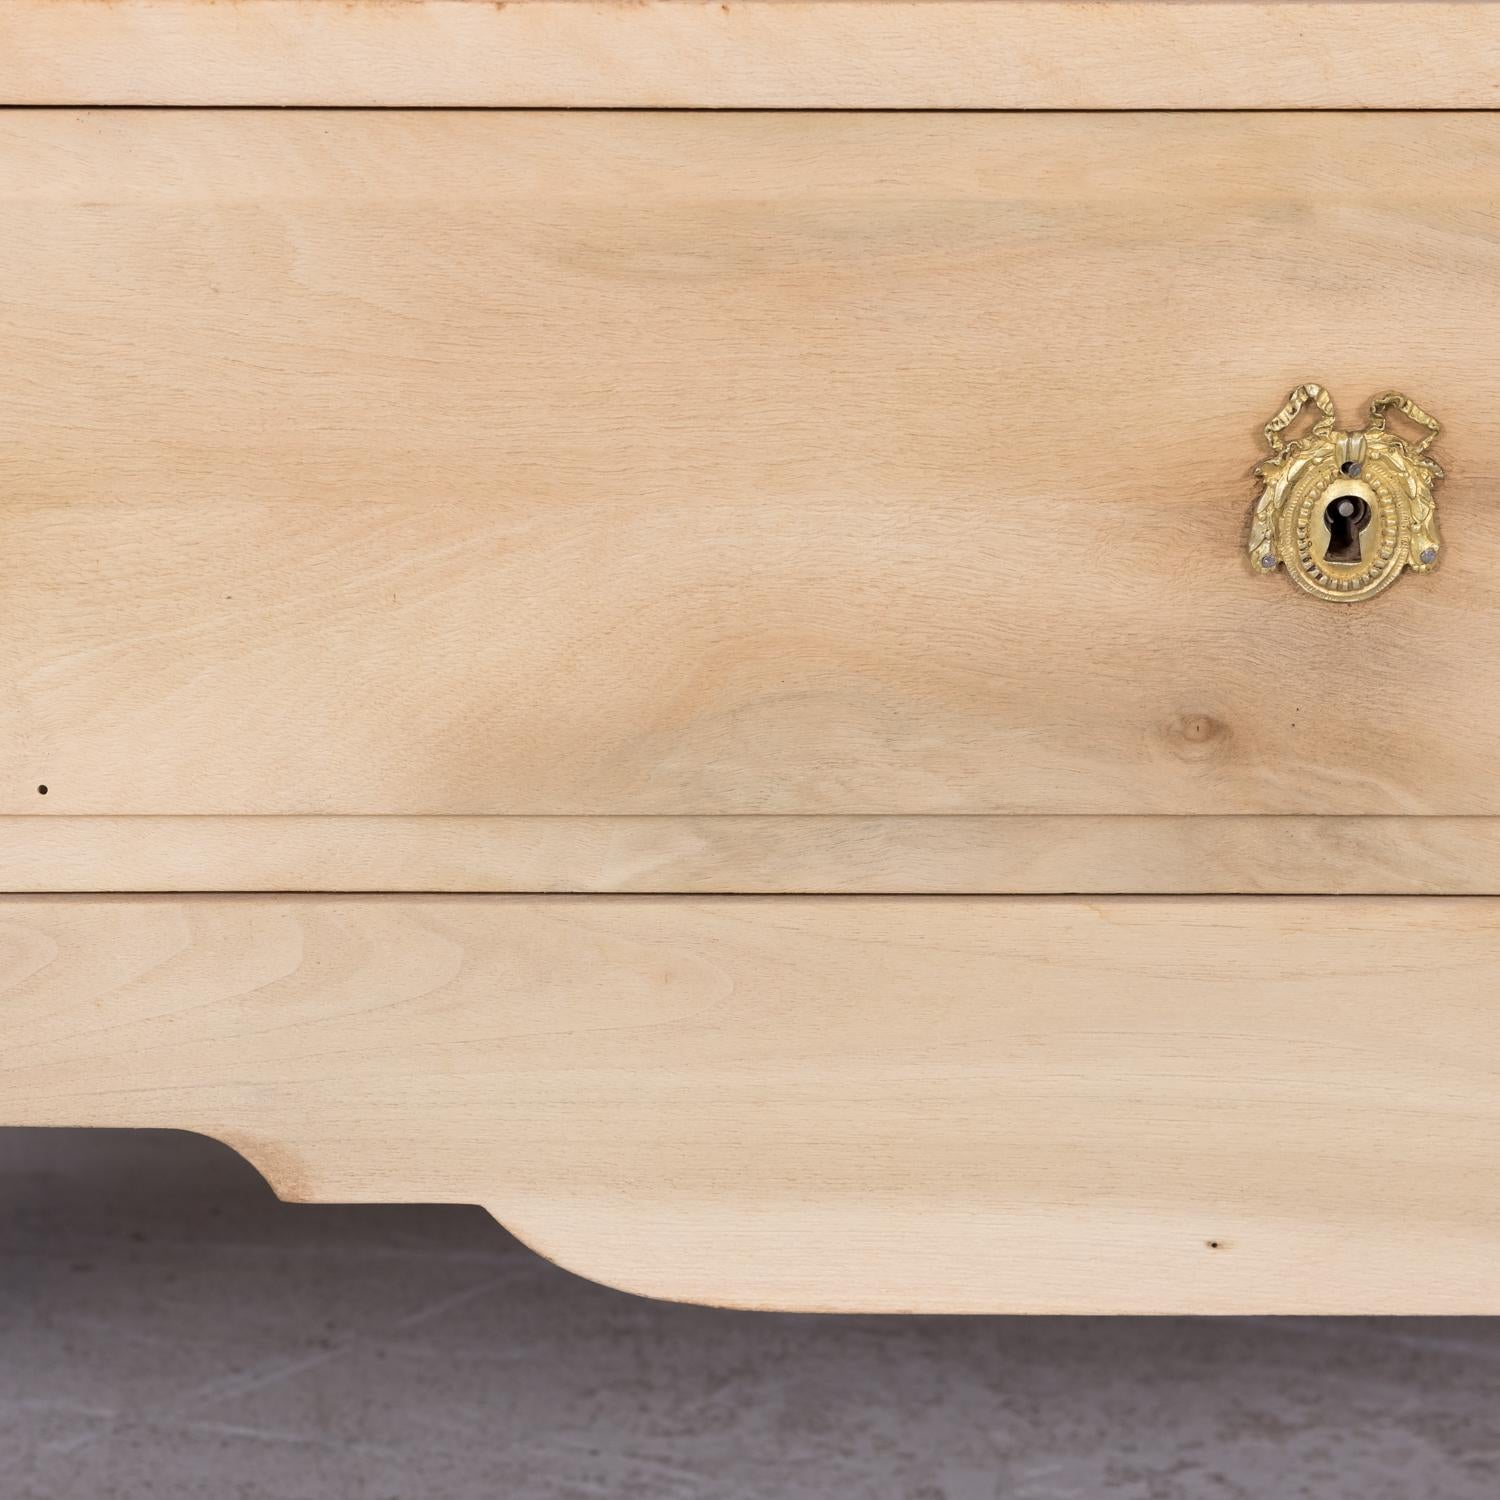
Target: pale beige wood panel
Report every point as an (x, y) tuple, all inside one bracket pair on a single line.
[(1196, 1106), (613, 463), (885, 54), (853, 856)]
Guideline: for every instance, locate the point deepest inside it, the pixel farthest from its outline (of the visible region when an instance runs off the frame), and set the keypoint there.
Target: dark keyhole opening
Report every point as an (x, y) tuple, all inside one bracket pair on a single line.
[(1346, 518)]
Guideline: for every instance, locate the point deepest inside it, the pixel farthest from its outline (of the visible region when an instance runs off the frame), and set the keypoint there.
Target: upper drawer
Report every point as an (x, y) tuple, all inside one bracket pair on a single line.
[(756, 54), (693, 463)]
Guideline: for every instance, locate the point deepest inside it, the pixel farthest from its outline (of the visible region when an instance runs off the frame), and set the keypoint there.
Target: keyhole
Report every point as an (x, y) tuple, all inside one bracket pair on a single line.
[(1346, 518)]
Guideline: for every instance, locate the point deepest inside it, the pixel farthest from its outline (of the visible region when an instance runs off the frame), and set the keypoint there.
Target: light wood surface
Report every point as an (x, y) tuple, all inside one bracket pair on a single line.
[(700, 464), (952, 1104), (883, 54), (816, 855)]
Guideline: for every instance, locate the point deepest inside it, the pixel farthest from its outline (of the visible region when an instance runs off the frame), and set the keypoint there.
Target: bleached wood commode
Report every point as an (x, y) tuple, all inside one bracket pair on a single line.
[(661, 617)]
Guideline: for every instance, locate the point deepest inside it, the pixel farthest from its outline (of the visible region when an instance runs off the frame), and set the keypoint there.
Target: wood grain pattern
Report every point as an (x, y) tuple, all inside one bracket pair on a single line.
[(850, 856), (849, 54), (725, 464), (865, 1103)]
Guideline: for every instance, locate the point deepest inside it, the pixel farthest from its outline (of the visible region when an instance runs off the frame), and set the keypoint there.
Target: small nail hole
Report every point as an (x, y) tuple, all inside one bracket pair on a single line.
[(41, 791)]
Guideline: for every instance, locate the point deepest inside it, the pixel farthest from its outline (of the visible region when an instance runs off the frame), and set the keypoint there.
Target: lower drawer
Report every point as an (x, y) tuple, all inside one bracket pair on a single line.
[(946, 1104)]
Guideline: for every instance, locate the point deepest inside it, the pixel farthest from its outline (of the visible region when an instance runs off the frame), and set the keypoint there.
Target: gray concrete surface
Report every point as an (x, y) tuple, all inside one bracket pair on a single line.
[(168, 1330)]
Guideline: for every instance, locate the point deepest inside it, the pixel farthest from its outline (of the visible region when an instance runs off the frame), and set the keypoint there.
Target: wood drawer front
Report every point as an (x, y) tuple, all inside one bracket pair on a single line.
[(948, 1104), (753, 54), (726, 464)]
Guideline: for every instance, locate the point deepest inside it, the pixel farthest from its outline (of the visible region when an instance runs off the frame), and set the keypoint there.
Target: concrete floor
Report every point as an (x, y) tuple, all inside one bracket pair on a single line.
[(169, 1330)]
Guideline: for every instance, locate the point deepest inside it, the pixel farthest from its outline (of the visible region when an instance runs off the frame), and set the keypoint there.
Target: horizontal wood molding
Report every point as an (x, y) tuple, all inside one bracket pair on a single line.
[(844, 54), (875, 1104), (856, 855)]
